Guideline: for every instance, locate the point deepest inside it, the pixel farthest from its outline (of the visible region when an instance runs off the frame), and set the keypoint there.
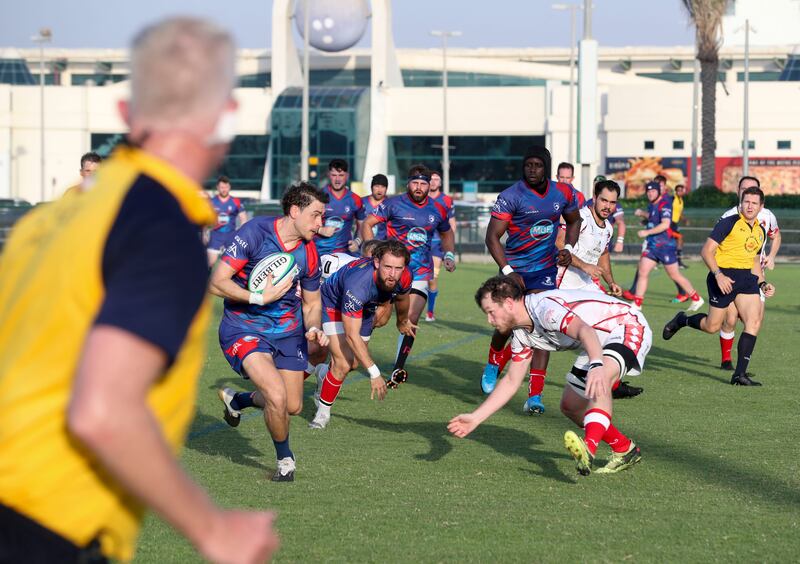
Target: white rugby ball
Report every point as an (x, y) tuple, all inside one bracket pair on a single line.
[(280, 265)]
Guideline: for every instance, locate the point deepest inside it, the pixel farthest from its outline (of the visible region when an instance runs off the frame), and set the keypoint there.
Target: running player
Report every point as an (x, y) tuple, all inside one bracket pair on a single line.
[(350, 299), (732, 254), (377, 196), (437, 195), (612, 339), (661, 248), (265, 335), (412, 218), (343, 211), (768, 221), (529, 211), (229, 211)]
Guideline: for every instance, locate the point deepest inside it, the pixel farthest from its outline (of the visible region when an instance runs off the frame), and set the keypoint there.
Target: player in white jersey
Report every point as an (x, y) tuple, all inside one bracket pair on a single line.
[(591, 259), (769, 222), (612, 339)]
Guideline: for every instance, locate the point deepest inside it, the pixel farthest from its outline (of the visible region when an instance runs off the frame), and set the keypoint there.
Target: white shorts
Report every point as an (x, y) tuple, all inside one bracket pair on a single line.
[(421, 286), (573, 279), (331, 328), (627, 344)]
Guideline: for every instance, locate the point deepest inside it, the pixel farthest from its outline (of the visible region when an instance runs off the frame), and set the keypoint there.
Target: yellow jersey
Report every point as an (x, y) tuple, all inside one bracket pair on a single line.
[(59, 272), (677, 208), (739, 242)]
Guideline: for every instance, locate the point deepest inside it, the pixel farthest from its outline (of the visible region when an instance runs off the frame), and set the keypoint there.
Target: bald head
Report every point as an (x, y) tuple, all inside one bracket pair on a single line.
[(182, 70)]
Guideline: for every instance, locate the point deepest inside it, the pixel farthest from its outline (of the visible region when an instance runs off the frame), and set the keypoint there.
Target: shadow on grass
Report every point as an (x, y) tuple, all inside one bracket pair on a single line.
[(675, 361), (507, 442), (470, 328), (228, 442)]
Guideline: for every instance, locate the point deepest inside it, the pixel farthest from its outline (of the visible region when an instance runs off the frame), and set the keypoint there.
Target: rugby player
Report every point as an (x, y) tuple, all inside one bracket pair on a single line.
[(732, 254), (616, 219), (770, 224), (99, 386), (350, 300), (229, 211), (412, 218), (612, 339), (437, 195), (660, 247), (529, 211), (265, 336), (378, 187), (344, 211)]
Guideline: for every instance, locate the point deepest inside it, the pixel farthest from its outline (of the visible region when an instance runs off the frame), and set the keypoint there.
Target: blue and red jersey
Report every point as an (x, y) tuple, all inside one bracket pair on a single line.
[(343, 209), (379, 229), (255, 241), (533, 222), (227, 211), (447, 202), (656, 212), (353, 289), (414, 225)]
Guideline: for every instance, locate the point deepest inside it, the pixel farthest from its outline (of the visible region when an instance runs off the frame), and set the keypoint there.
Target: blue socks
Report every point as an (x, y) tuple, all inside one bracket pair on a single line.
[(282, 448), (432, 300), (242, 400)]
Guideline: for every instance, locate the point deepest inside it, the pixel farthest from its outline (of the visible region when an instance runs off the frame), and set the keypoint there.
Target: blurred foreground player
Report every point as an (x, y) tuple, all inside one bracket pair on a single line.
[(612, 339), (97, 389), (437, 195)]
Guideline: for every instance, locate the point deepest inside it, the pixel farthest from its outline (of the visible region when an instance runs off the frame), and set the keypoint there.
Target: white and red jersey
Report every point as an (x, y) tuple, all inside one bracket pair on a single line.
[(613, 321), (592, 242)]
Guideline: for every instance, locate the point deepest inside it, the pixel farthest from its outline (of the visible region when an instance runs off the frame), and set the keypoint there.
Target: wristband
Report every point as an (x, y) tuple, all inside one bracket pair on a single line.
[(358, 241), (595, 364), (567, 248), (620, 239), (374, 372), (313, 329), (256, 299), (449, 255), (762, 284), (507, 269), (716, 272)]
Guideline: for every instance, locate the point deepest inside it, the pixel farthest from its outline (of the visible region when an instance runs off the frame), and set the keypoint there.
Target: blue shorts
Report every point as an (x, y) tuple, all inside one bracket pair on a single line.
[(664, 255), (288, 353), (540, 279), (744, 282), (436, 248), (217, 240)]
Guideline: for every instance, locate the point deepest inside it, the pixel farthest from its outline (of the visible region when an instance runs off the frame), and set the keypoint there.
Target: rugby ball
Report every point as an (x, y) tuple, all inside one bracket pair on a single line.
[(280, 265)]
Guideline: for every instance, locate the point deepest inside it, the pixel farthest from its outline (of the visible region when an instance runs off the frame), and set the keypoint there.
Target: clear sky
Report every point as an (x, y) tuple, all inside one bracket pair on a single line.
[(484, 23)]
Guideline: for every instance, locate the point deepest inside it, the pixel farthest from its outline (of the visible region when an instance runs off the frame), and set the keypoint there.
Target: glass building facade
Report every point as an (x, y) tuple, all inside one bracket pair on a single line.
[(494, 162), (339, 128)]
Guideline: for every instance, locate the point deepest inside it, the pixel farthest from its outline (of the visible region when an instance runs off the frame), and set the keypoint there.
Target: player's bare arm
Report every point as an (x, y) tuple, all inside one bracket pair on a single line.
[(312, 317), (366, 227), (494, 232), (608, 275), (573, 222), (352, 333), (109, 414), (382, 315), (462, 425), (597, 384), (774, 247), (621, 228), (660, 228), (404, 324), (763, 285), (222, 285), (449, 246), (708, 253)]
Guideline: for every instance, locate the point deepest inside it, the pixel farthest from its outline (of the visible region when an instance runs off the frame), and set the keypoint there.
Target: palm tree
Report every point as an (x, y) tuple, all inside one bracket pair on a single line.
[(707, 18)]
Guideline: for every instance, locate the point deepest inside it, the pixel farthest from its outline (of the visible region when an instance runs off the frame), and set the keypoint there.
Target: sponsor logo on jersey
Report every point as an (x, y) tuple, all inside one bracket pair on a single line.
[(417, 237), (541, 229), (336, 222), (431, 219)]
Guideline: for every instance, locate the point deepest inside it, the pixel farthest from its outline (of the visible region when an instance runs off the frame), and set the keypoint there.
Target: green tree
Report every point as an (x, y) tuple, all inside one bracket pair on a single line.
[(707, 18)]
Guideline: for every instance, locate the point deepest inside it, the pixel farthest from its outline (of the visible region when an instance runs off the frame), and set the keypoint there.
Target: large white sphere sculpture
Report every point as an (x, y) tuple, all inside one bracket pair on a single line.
[(334, 25)]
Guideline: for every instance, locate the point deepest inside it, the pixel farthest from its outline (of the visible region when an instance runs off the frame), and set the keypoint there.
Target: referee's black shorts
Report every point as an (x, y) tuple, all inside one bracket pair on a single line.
[(744, 282)]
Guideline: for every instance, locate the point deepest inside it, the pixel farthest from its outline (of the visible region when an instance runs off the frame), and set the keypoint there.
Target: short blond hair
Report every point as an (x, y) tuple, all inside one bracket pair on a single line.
[(181, 68)]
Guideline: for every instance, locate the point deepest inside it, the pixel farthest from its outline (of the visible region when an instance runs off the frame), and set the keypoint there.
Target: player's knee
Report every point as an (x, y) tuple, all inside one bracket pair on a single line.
[(275, 400), (294, 406)]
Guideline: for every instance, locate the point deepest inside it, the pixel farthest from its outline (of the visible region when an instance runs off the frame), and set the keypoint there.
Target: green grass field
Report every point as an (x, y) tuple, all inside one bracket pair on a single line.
[(386, 483)]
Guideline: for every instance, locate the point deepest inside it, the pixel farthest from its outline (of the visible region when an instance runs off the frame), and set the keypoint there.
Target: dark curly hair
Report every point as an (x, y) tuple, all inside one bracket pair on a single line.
[(499, 288), (302, 195)]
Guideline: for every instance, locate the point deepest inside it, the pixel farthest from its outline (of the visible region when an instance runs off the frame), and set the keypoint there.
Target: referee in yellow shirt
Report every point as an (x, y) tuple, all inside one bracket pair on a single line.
[(103, 324), (732, 256)]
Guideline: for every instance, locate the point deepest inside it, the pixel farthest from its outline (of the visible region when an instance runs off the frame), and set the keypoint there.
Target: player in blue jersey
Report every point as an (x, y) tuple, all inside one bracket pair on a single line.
[(343, 212), (412, 218), (529, 211), (265, 335), (350, 300), (661, 247), (377, 196), (229, 210), (437, 195)]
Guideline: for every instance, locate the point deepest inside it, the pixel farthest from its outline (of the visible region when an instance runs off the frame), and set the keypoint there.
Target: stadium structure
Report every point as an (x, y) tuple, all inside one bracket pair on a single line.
[(380, 108)]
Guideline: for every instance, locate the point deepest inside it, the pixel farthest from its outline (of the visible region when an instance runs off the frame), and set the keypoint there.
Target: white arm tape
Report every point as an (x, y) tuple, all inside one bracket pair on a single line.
[(256, 299), (374, 372), (507, 269)]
